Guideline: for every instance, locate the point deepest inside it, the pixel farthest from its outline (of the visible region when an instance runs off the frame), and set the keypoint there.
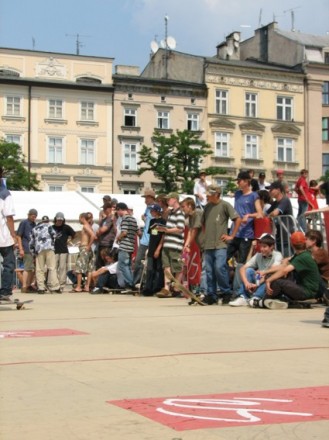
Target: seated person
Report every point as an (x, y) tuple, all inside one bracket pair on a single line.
[(106, 276), (305, 271), (252, 273), (314, 243)]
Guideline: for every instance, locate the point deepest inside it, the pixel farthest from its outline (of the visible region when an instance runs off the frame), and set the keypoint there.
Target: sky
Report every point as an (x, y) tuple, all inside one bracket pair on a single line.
[(124, 29)]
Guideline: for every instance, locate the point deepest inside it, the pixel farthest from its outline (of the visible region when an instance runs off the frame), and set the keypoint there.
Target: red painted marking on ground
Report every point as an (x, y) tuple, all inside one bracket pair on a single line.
[(159, 356), (40, 333), (233, 409)]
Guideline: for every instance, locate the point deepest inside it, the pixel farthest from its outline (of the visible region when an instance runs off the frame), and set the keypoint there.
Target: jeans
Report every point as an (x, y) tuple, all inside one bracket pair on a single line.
[(138, 262), (8, 267), (154, 276), (251, 277), (216, 271), (124, 266), (302, 208)]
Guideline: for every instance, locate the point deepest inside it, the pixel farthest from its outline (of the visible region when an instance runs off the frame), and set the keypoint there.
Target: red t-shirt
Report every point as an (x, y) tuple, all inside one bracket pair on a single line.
[(301, 182)]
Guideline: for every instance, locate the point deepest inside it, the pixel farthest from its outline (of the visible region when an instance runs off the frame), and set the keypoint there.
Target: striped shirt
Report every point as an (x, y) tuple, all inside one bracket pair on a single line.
[(129, 225), (176, 219)]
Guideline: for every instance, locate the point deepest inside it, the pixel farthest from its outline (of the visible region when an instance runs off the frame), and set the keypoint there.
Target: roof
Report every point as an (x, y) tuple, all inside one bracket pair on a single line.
[(305, 39)]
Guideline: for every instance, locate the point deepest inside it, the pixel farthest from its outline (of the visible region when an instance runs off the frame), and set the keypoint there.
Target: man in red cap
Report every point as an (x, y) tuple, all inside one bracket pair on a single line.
[(302, 266), (280, 178)]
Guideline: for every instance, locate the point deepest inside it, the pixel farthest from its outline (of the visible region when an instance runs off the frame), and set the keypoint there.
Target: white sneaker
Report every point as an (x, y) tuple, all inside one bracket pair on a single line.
[(275, 304), (254, 302), (238, 302)]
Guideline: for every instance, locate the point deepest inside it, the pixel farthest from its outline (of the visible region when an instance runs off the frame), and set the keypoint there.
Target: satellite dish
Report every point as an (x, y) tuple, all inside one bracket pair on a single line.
[(229, 48), (171, 43), (236, 36), (154, 46), (163, 44), (236, 44)]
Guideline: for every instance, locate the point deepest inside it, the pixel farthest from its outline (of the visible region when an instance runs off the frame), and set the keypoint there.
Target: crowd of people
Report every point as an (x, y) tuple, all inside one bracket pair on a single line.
[(239, 259)]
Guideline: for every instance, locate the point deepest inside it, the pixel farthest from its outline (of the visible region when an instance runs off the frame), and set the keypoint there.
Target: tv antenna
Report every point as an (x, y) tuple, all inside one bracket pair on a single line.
[(292, 13), (78, 42)]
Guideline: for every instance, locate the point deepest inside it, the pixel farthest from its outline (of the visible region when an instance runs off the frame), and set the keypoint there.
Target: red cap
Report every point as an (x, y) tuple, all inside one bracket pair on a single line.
[(297, 238), (279, 172)]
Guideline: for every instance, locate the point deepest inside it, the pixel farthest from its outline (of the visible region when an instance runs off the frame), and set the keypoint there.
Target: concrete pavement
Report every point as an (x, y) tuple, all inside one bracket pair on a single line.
[(57, 386)]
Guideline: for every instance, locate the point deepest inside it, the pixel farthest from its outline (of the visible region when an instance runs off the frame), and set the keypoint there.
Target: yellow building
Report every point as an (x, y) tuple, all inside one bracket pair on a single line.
[(59, 108)]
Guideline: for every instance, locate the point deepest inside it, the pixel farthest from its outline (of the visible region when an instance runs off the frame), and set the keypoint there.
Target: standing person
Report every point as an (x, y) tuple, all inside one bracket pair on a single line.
[(302, 190), (281, 179), (149, 197), (281, 206), (126, 242), (262, 184), (64, 233), (161, 200), (106, 199), (248, 206), (253, 182), (154, 271), (7, 240), (216, 216), (313, 193), (85, 261), (105, 233), (23, 238), (42, 247), (200, 189), (305, 272), (173, 242), (324, 188)]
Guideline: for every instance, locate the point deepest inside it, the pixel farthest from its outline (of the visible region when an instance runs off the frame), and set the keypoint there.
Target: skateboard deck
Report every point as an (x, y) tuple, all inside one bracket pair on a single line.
[(186, 291), (16, 302)]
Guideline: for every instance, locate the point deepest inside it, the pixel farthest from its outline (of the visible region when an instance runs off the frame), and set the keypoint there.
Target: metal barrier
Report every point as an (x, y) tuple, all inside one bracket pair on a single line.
[(283, 227)]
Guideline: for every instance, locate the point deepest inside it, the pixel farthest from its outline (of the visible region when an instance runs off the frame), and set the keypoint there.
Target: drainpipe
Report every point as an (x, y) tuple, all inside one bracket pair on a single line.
[(29, 139)]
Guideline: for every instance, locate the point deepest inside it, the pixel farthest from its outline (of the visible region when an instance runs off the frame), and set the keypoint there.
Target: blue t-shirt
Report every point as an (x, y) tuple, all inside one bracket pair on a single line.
[(245, 204)]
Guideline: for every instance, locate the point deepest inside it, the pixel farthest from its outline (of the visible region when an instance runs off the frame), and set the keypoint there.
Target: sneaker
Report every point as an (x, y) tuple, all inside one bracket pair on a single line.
[(96, 291), (164, 293), (41, 292), (254, 302), (275, 304), (210, 300), (6, 298), (238, 302), (56, 291), (325, 323)]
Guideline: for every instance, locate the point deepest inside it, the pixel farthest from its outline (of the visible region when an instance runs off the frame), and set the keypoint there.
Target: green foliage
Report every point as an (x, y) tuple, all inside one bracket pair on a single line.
[(176, 160), (230, 187), (14, 168)]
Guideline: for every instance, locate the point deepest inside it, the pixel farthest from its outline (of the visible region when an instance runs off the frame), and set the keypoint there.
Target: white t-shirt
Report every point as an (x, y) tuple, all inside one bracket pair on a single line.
[(201, 189), (6, 210), (112, 268)]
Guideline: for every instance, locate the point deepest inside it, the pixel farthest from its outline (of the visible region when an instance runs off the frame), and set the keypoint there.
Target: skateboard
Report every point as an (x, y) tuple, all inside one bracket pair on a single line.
[(127, 291), (16, 302), (184, 289)]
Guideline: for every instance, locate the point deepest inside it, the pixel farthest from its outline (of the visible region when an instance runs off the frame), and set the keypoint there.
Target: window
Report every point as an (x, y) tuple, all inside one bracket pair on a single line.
[(325, 163), (130, 157), (285, 149), (326, 58), (87, 111), (325, 93), (55, 188), (87, 152), (193, 121), (222, 141), (130, 117), (163, 120), (251, 146), (13, 106), (87, 189), (251, 105), (55, 150), (129, 191), (56, 108), (325, 129), (14, 138), (284, 108), (222, 102)]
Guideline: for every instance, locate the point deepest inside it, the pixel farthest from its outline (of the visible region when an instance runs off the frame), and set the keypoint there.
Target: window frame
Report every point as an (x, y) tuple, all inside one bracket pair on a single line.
[(131, 113), (13, 105), (220, 141), (251, 105), (325, 129), (131, 160), (325, 93), (13, 135), (193, 121), (85, 160), (284, 108), (58, 108), (90, 108), (252, 144), (61, 147), (221, 102), (162, 117), (284, 147)]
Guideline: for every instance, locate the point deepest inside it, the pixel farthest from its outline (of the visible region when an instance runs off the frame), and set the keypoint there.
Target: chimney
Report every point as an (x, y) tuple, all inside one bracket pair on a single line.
[(229, 49)]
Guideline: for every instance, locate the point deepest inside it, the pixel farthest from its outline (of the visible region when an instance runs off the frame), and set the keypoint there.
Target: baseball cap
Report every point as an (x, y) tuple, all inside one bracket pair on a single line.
[(59, 216), (156, 208), (297, 238), (213, 189), (279, 172), (262, 175), (243, 175), (173, 195), (122, 206), (45, 219), (275, 185), (266, 237), (33, 212), (149, 193)]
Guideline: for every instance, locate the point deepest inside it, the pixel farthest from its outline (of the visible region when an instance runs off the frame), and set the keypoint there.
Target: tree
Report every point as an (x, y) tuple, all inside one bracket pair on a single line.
[(12, 161), (176, 160)]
